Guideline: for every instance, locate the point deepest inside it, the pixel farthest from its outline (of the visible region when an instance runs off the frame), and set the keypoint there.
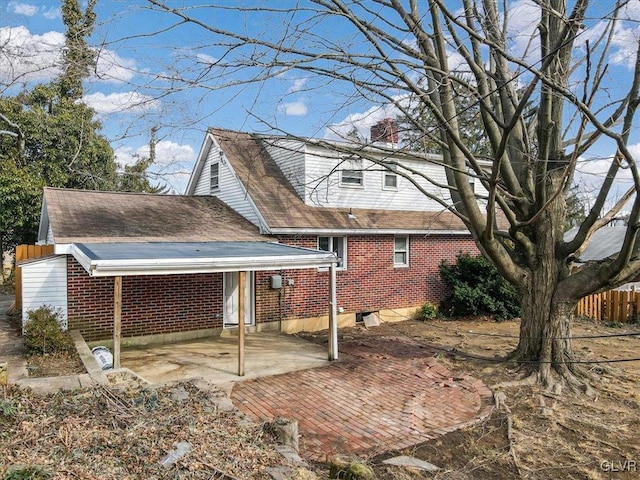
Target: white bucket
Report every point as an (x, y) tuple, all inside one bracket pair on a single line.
[(103, 356)]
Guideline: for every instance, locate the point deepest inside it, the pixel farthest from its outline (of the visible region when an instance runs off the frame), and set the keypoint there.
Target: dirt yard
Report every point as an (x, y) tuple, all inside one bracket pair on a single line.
[(124, 431), (535, 434)]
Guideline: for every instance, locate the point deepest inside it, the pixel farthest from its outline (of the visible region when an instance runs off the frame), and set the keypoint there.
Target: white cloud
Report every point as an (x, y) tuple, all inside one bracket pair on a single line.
[(362, 122), (23, 9), (129, 102), (52, 13), (297, 84), (172, 167), (625, 40), (204, 58), (294, 109), (27, 57), (168, 154), (111, 67), (631, 10), (523, 19)]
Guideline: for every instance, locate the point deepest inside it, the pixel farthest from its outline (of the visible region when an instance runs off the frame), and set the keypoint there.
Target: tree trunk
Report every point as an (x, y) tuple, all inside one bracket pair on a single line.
[(545, 328), (547, 311)]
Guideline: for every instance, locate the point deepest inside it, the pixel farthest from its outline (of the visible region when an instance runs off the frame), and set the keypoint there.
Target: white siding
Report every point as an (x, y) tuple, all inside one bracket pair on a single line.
[(202, 184), (44, 282), (323, 186), (289, 155), (230, 188)]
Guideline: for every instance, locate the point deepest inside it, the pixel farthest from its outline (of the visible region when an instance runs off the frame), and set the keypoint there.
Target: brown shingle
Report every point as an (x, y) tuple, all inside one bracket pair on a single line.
[(281, 206), (90, 216)]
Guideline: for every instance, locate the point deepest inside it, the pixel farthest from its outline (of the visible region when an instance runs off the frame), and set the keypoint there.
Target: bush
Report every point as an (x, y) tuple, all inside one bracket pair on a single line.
[(43, 333), (428, 311), (476, 288)]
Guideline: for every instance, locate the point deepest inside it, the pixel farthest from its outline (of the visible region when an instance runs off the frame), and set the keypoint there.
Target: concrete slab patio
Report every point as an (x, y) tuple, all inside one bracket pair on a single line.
[(215, 359)]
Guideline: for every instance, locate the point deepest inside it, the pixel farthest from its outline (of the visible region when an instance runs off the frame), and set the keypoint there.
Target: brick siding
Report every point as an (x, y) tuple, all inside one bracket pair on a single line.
[(153, 304), (158, 304), (371, 281)]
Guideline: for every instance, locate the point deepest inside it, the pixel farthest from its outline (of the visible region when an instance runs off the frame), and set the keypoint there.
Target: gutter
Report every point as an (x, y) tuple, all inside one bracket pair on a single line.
[(364, 231)]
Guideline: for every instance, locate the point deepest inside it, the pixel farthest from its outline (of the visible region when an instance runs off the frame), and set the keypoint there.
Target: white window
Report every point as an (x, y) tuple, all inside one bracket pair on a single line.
[(390, 178), (351, 173), (215, 176), (337, 245), (401, 251)]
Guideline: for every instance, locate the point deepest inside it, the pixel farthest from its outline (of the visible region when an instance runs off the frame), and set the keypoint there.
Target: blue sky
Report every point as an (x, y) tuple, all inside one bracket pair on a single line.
[(127, 104), (129, 90)]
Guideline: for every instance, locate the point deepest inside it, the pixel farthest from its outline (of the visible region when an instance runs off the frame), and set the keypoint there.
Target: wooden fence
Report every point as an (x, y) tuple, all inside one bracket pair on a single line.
[(25, 252), (611, 306)]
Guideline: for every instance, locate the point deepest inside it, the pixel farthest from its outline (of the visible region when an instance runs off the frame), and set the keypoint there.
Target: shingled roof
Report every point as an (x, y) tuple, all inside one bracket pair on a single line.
[(89, 216), (283, 209)]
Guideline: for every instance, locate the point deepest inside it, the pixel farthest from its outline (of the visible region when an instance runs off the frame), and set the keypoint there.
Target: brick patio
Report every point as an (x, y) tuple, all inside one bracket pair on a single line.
[(384, 394)]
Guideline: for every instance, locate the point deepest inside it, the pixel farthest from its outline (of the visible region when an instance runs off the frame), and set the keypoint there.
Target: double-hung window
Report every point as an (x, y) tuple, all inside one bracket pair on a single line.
[(401, 252), (337, 245), (390, 178), (214, 176), (351, 173)]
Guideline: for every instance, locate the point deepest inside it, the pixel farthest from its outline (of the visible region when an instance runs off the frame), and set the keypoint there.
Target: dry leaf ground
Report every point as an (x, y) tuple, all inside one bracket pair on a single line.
[(124, 431)]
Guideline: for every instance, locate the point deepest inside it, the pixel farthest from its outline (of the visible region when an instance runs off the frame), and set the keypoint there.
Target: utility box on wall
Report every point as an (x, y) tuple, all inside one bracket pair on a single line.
[(276, 281)]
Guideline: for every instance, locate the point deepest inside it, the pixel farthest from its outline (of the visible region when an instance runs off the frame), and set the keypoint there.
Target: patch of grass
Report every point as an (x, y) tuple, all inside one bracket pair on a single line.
[(27, 473), (8, 407)]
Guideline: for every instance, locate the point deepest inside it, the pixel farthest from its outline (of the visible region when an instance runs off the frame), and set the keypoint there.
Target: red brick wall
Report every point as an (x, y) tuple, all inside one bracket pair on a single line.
[(176, 303), (370, 283), (150, 304)]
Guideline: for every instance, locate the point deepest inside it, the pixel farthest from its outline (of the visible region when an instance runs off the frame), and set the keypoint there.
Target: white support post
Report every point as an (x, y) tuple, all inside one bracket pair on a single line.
[(241, 324), (333, 314)]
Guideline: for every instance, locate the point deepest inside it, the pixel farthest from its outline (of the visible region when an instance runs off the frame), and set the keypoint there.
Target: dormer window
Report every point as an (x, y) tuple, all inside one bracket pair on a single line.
[(215, 177), (351, 174)]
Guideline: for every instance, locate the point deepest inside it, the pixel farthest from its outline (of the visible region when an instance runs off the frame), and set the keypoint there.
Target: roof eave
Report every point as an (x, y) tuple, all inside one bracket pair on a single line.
[(176, 266), (364, 231)]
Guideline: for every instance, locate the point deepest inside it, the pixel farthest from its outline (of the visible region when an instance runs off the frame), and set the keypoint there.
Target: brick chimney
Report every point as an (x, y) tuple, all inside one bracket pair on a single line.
[(385, 131)]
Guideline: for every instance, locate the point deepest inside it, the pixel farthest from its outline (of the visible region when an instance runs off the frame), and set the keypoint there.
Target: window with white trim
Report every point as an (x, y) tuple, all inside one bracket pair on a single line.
[(401, 251), (214, 176), (390, 178), (337, 245), (351, 173)]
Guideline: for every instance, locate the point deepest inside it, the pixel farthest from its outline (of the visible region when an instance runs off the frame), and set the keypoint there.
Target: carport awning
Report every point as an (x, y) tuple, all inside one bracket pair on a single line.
[(165, 258)]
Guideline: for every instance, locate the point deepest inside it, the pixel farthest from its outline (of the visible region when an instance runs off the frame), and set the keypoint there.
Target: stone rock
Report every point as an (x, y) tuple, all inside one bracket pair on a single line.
[(371, 320), (411, 462), (350, 468)]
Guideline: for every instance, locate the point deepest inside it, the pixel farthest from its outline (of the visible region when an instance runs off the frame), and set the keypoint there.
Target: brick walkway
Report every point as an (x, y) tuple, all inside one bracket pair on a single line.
[(384, 394)]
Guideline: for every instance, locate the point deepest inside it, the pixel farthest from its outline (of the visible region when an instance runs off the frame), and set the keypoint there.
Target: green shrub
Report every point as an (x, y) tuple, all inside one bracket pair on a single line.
[(428, 311), (476, 288), (43, 333)]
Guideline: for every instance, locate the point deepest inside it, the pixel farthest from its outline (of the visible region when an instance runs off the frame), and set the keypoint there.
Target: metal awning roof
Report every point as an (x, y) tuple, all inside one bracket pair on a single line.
[(166, 258)]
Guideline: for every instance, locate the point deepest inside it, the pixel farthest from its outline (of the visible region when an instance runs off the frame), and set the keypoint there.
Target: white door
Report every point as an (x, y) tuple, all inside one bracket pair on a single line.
[(231, 298)]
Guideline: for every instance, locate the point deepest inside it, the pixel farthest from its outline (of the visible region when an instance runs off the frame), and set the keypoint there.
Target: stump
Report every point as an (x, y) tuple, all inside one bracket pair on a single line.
[(285, 431)]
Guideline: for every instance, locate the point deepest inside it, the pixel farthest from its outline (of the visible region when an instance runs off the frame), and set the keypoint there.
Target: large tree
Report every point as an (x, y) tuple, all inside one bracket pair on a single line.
[(543, 104), (49, 137)]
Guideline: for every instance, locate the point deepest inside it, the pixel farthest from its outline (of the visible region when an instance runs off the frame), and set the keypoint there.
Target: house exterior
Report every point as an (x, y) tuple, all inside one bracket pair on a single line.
[(322, 230), (389, 235), (177, 259)]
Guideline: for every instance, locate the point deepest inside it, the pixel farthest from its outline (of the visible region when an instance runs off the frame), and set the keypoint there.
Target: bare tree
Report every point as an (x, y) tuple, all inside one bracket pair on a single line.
[(542, 110)]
